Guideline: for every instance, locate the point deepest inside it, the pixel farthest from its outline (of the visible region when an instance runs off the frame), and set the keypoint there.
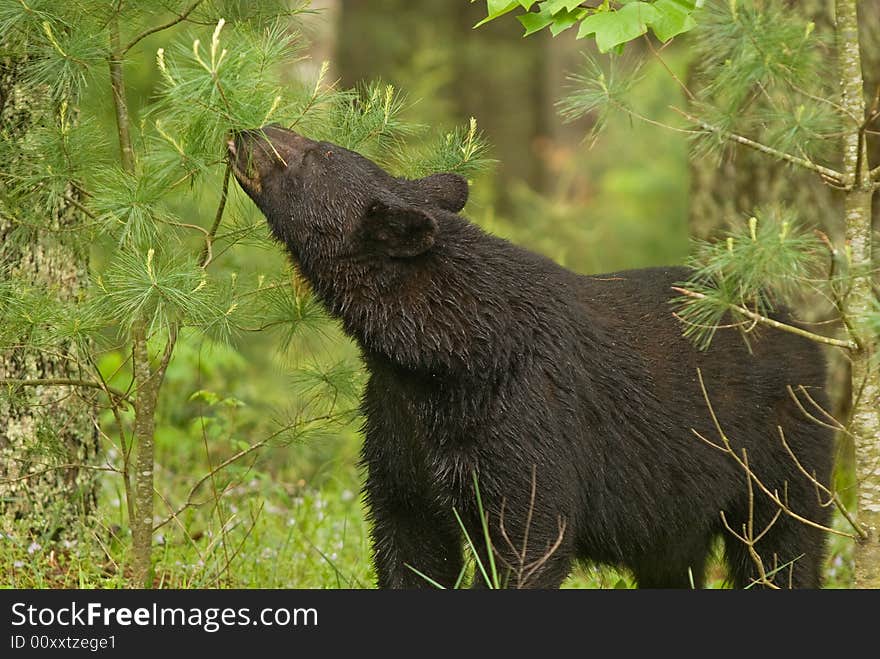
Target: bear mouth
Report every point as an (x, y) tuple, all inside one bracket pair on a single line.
[(235, 155)]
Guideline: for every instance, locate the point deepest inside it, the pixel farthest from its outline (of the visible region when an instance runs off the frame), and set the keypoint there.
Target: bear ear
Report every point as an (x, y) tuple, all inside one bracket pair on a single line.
[(446, 190), (401, 231)]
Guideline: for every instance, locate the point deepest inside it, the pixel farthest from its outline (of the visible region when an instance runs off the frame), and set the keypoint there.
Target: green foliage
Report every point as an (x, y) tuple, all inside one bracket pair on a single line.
[(767, 261), (366, 119), (745, 43), (292, 309), (165, 287), (41, 163), (213, 85), (129, 206), (612, 23), (763, 72), (601, 91), (462, 150), (63, 53), (34, 315)]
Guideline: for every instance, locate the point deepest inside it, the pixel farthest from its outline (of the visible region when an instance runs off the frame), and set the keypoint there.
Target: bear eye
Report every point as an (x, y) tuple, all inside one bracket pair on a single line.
[(328, 154)]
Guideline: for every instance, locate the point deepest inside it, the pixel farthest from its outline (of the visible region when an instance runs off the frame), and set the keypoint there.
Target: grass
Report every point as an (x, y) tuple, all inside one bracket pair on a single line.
[(273, 534), (269, 531)]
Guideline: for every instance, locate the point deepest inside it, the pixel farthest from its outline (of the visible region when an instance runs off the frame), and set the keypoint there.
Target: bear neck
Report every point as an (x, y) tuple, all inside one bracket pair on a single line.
[(470, 305)]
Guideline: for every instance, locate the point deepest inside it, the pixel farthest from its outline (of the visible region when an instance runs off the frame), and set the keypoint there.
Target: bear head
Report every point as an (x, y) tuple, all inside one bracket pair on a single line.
[(324, 201)]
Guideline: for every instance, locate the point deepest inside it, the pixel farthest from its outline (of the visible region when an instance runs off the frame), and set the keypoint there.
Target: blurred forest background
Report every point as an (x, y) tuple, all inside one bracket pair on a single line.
[(290, 515)]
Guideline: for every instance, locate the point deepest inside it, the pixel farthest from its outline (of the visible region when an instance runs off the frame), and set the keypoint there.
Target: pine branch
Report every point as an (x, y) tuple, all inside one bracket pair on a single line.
[(669, 70), (207, 251), (825, 172), (65, 382), (120, 105), (764, 320), (827, 101), (178, 19)]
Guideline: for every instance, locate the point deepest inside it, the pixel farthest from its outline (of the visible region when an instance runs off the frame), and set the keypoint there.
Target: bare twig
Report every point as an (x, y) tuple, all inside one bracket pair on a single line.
[(539, 563), (747, 537), (532, 495), (214, 491), (835, 425), (237, 550), (525, 571), (178, 19), (182, 526), (184, 225), (120, 105), (82, 209), (207, 254), (189, 502), (653, 122), (727, 448), (834, 498), (48, 470)]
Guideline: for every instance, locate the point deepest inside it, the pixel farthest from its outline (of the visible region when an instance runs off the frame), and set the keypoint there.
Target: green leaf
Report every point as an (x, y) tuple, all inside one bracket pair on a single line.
[(616, 27), (208, 397), (555, 6), (566, 19), (535, 22), (496, 8), (673, 18)]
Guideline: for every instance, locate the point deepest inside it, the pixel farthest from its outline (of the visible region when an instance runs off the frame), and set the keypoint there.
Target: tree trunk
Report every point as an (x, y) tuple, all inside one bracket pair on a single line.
[(45, 432), (865, 419)]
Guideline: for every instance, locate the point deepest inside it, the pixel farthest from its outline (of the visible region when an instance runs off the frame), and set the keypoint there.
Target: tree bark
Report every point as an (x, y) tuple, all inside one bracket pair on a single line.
[(865, 418), (144, 428), (42, 428)]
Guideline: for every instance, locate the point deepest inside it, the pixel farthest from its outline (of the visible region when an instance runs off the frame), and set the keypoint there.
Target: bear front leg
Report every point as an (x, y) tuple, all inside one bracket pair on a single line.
[(414, 542)]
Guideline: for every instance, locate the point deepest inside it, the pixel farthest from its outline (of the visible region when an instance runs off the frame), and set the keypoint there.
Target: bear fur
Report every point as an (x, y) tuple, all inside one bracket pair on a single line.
[(570, 400)]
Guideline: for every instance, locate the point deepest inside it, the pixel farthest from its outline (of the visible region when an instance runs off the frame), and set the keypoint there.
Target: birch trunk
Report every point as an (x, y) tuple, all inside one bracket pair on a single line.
[(865, 418)]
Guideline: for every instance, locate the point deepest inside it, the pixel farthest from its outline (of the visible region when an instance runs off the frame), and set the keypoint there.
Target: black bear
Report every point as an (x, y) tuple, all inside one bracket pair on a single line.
[(569, 400)]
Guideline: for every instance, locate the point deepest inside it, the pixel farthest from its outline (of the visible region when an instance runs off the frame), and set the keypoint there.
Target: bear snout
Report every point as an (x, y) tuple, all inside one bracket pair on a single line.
[(257, 153)]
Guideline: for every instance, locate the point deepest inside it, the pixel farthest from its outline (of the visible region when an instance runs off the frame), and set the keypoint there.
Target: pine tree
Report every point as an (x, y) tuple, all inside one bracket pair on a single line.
[(159, 276)]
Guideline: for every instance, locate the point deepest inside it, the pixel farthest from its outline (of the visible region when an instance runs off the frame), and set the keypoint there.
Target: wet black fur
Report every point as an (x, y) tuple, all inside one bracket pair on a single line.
[(487, 358)]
